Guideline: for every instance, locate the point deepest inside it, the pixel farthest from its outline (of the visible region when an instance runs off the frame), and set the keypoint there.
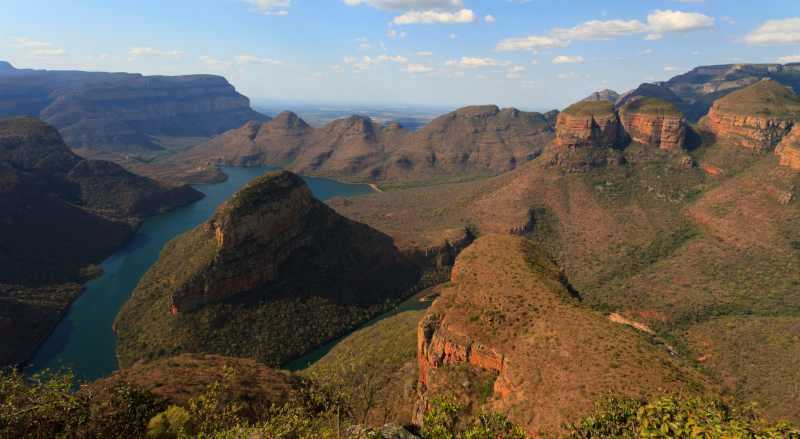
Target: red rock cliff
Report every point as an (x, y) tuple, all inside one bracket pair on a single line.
[(588, 124), (654, 122), (789, 149)]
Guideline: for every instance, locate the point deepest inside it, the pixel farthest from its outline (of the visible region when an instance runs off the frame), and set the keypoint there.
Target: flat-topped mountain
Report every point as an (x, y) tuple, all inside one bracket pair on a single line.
[(472, 141), (272, 274), (653, 121), (756, 117), (121, 112)]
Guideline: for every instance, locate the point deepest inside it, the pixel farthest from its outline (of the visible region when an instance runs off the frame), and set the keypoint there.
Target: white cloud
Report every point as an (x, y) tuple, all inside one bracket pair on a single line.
[(789, 59), (489, 19), (658, 23), (37, 48), (418, 68), (671, 69), (530, 43), (424, 53), (214, 63), (564, 59), (786, 31), (515, 72), (473, 63), (661, 22), (405, 5), (435, 17), (250, 59), (136, 52), (393, 34), (271, 7)]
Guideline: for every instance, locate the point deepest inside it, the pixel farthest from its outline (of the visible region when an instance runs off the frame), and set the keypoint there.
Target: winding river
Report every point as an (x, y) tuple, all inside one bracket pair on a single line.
[(83, 341)]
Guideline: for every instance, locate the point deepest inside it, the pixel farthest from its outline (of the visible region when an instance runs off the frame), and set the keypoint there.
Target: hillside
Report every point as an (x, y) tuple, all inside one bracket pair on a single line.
[(273, 274), (668, 238), (467, 143), (61, 214), (111, 113), (513, 328)]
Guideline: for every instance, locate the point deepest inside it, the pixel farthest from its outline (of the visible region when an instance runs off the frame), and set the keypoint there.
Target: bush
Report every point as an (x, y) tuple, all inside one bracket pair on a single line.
[(675, 417)]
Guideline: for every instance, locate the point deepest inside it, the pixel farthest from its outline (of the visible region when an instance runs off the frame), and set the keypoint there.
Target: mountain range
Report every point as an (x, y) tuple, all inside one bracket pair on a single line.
[(122, 112)]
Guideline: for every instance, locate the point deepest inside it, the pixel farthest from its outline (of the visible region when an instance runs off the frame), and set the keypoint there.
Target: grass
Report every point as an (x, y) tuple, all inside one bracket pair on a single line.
[(655, 106), (590, 108), (764, 98)]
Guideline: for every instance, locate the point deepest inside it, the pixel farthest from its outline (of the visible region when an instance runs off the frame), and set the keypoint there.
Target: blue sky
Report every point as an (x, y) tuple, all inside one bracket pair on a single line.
[(531, 54)]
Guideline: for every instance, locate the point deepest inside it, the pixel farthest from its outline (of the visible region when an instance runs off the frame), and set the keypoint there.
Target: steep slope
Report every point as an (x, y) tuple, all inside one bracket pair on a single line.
[(789, 149), (529, 348), (273, 274), (120, 112), (60, 214), (470, 142), (756, 117)]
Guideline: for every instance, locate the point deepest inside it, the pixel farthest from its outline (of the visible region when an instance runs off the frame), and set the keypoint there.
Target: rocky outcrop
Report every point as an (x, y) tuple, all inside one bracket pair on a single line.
[(588, 125), (789, 149), (271, 246), (119, 112), (756, 117), (510, 315), (652, 121), (472, 141)]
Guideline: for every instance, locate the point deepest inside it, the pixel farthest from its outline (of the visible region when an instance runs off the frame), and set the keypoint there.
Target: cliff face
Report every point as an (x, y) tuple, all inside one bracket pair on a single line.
[(588, 124), (789, 149), (512, 320), (270, 248), (756, 117), (654, 122), (124, 112), (469, 142)]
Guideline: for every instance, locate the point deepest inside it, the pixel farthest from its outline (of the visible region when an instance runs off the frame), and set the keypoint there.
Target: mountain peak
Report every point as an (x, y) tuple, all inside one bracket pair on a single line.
[(6, 66), (603, 95)]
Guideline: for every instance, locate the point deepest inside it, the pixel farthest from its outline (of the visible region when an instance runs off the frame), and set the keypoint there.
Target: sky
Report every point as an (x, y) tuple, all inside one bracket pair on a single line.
[(530, 54)]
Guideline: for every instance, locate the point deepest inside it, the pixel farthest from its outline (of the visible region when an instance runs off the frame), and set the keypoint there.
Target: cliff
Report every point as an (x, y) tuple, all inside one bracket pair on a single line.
[(510, 335), (472, 141), (588, 124), (120, 112), (756, 117), (271, 258), (652, 121), (789, 149), (60, 214)]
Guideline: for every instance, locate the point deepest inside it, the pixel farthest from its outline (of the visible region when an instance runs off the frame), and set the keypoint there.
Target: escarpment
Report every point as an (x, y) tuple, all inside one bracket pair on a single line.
[(756, 117), (120, 112), (271, 250), (60, 212), (511, 320)]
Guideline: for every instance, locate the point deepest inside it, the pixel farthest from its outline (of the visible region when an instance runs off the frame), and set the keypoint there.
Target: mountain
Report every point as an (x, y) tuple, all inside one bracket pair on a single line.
[(697, 245), (470, 142), (756, 117), (121, 112), (603, 95), (60, 214), (510, 335), (694, 92), (273, 274), (6, 66)]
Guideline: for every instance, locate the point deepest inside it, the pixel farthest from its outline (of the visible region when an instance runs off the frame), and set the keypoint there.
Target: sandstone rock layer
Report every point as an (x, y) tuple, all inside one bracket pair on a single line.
[(654, 122)]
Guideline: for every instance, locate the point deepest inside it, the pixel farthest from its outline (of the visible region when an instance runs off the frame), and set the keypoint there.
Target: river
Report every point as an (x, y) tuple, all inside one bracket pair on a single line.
[(83, 341)]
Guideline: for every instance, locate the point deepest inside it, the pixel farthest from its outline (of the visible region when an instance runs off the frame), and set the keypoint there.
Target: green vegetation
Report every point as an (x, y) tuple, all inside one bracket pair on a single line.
[(764, 98), (675, 417), (650, 105), (590, 108)]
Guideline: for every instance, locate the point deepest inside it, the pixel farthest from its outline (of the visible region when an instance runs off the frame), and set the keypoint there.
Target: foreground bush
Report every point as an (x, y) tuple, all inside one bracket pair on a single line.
[(676, 417)]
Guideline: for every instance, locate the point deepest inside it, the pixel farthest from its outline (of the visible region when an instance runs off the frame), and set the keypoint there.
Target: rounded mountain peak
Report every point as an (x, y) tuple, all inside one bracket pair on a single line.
[(477, 111), (288, 119), (765, 98), (31, 144)]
